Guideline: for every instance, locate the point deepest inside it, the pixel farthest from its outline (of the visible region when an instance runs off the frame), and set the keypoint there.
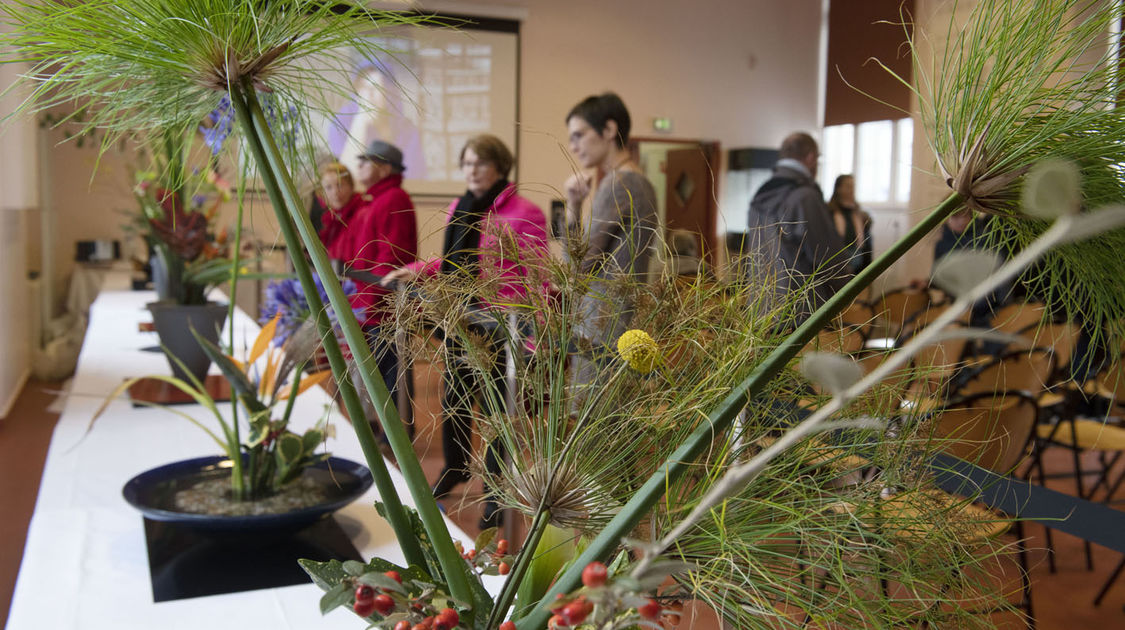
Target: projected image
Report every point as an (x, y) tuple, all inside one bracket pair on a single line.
[(435, 90)]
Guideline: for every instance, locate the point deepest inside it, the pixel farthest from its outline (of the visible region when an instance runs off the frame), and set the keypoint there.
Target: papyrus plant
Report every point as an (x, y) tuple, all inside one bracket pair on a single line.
[(997, 106)]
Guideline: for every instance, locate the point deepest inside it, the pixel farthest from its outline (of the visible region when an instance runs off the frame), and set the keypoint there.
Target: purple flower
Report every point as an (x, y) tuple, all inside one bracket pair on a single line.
[(285, 124), (288, 298), (219, 124)]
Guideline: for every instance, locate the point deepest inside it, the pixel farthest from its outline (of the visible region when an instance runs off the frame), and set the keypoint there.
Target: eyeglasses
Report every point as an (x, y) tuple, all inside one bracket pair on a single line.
[(472, 166)]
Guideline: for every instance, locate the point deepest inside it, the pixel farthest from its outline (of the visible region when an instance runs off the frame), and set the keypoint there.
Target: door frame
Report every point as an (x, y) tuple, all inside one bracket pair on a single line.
[(712, 152)]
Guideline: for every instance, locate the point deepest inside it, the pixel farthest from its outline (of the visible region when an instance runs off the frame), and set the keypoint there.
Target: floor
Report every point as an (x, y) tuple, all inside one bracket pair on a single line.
[(1062, 601)]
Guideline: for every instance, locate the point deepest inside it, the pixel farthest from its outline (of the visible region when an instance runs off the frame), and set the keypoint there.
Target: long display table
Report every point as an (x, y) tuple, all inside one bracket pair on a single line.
[(85, 564)]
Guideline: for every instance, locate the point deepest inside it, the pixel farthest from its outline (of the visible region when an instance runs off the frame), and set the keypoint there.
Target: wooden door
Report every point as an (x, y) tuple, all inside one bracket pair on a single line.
[(690, 198)]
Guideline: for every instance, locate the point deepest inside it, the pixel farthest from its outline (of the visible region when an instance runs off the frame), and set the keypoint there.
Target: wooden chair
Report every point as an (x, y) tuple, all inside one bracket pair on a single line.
[(1017, 317), (845, 341), (1067, 427), (898, 306), (1058, 337), (859, 316), (992, 430), (1020, 370), (936, 366)]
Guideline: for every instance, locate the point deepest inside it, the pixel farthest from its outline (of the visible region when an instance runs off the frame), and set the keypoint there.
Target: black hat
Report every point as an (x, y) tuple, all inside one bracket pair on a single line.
[(380, 151)]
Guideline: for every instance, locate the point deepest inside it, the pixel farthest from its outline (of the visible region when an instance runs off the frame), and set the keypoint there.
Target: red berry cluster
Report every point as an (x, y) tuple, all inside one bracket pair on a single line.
[(369, 600), (603, 601), (492, 559)]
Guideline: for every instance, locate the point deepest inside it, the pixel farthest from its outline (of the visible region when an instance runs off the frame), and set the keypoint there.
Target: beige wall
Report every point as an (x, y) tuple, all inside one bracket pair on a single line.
[(741, 72), (18, 199)]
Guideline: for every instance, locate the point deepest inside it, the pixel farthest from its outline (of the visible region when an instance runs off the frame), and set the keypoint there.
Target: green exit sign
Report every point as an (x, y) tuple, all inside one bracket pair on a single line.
[(662, 124)]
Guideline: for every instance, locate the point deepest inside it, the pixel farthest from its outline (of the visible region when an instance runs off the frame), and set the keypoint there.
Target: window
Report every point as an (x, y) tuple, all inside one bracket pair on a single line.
[(878, 153)]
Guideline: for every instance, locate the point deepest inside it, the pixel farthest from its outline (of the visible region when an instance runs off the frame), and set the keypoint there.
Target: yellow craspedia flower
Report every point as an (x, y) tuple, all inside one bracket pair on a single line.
[(639, 350)]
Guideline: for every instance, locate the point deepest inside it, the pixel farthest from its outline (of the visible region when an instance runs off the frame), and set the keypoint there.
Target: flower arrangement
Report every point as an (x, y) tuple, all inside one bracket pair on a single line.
[(270, 456), (177, 214), (708, 487)]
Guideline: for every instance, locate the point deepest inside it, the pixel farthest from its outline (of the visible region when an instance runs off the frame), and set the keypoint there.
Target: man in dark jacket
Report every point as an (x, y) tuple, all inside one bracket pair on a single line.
[(791, 234)]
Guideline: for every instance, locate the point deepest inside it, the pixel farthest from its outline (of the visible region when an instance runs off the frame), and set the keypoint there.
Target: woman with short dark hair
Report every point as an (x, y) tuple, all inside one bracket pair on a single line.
[(621, 227)]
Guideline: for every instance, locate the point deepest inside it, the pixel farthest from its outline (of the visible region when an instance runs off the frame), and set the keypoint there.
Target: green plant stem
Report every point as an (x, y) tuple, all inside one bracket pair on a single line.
[(451, 563), (396, 513), (292, 393), (235, 264), (721, 418), (523, 563)]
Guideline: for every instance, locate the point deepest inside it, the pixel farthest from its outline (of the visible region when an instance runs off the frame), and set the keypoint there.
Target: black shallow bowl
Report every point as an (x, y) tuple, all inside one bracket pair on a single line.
[(151, 492)]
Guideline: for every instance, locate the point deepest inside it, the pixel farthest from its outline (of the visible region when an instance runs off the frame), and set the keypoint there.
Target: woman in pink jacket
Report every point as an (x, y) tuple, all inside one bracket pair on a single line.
[(488, 214)]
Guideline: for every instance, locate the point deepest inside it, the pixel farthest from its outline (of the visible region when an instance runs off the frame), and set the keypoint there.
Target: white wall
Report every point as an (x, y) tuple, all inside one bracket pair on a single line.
[(18, 195)]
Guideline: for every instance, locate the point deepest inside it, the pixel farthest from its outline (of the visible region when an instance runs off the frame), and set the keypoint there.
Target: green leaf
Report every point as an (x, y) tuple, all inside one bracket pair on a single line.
[(484, 538), (259, 429), (380, 580), (556, 547), (337, 596), (354, 568), (332, 574), (482, 601), (241, 385), (312, 439), (289, 449)]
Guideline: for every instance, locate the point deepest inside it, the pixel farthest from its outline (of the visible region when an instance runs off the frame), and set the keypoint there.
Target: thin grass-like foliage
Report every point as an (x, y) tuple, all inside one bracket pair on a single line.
[(1019, 83), (799, 543)]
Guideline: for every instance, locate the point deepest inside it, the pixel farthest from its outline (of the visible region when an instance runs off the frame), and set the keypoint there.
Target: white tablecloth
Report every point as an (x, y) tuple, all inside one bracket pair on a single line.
[(85, 564)]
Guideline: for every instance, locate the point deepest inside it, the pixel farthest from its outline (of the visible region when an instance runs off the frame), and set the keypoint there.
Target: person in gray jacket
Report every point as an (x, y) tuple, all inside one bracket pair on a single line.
[(793, 246)]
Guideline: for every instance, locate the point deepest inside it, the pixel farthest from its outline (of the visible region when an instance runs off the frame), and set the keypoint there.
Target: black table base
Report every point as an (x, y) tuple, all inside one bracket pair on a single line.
[(185, 564)]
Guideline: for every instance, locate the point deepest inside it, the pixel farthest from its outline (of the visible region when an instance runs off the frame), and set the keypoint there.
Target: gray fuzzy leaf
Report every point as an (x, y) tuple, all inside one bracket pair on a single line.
[(1051, 189), (834, 372), (1086, 226), (960, 271)]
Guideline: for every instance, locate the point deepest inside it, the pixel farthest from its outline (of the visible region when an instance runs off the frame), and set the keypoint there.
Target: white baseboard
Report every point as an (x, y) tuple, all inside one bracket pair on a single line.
[(11, 402)]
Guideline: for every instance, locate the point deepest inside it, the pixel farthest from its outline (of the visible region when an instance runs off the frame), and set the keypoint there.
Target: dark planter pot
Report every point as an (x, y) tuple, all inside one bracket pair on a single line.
[(152, 493), (174, 323)]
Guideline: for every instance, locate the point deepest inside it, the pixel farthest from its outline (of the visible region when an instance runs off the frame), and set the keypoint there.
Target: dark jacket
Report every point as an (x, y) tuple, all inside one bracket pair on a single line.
[(792, 237)]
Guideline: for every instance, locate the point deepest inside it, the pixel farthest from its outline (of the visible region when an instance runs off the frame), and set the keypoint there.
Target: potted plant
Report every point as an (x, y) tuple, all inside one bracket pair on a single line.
[(702, 488), (267, 475), (189, 257)]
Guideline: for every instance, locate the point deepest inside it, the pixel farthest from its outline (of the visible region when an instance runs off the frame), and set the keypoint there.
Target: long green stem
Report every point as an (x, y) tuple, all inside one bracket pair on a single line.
[(236, 265), (523, 563), (451, 562), (721, 418), (396, 514)]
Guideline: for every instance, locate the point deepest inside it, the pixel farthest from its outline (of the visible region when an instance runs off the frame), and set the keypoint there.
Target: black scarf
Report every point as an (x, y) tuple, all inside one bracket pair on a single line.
[(460, 251)]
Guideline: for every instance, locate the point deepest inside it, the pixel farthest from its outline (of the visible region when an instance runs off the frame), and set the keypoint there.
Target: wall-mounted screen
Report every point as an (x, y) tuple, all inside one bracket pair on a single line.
[(434, 89)]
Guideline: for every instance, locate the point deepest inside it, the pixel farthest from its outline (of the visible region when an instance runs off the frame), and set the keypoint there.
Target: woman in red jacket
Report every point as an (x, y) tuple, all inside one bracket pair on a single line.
[(376, 234)]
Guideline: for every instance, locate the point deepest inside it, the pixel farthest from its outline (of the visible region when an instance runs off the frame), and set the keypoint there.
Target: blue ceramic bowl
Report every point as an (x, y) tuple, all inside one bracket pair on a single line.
[(151, 493)]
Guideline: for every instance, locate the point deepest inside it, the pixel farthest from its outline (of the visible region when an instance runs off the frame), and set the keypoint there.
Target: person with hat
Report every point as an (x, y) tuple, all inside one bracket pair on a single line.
[(381, 236)]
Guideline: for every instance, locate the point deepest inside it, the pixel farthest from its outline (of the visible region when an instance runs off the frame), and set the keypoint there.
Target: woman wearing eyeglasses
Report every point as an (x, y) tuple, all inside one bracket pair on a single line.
[(482, 225)]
